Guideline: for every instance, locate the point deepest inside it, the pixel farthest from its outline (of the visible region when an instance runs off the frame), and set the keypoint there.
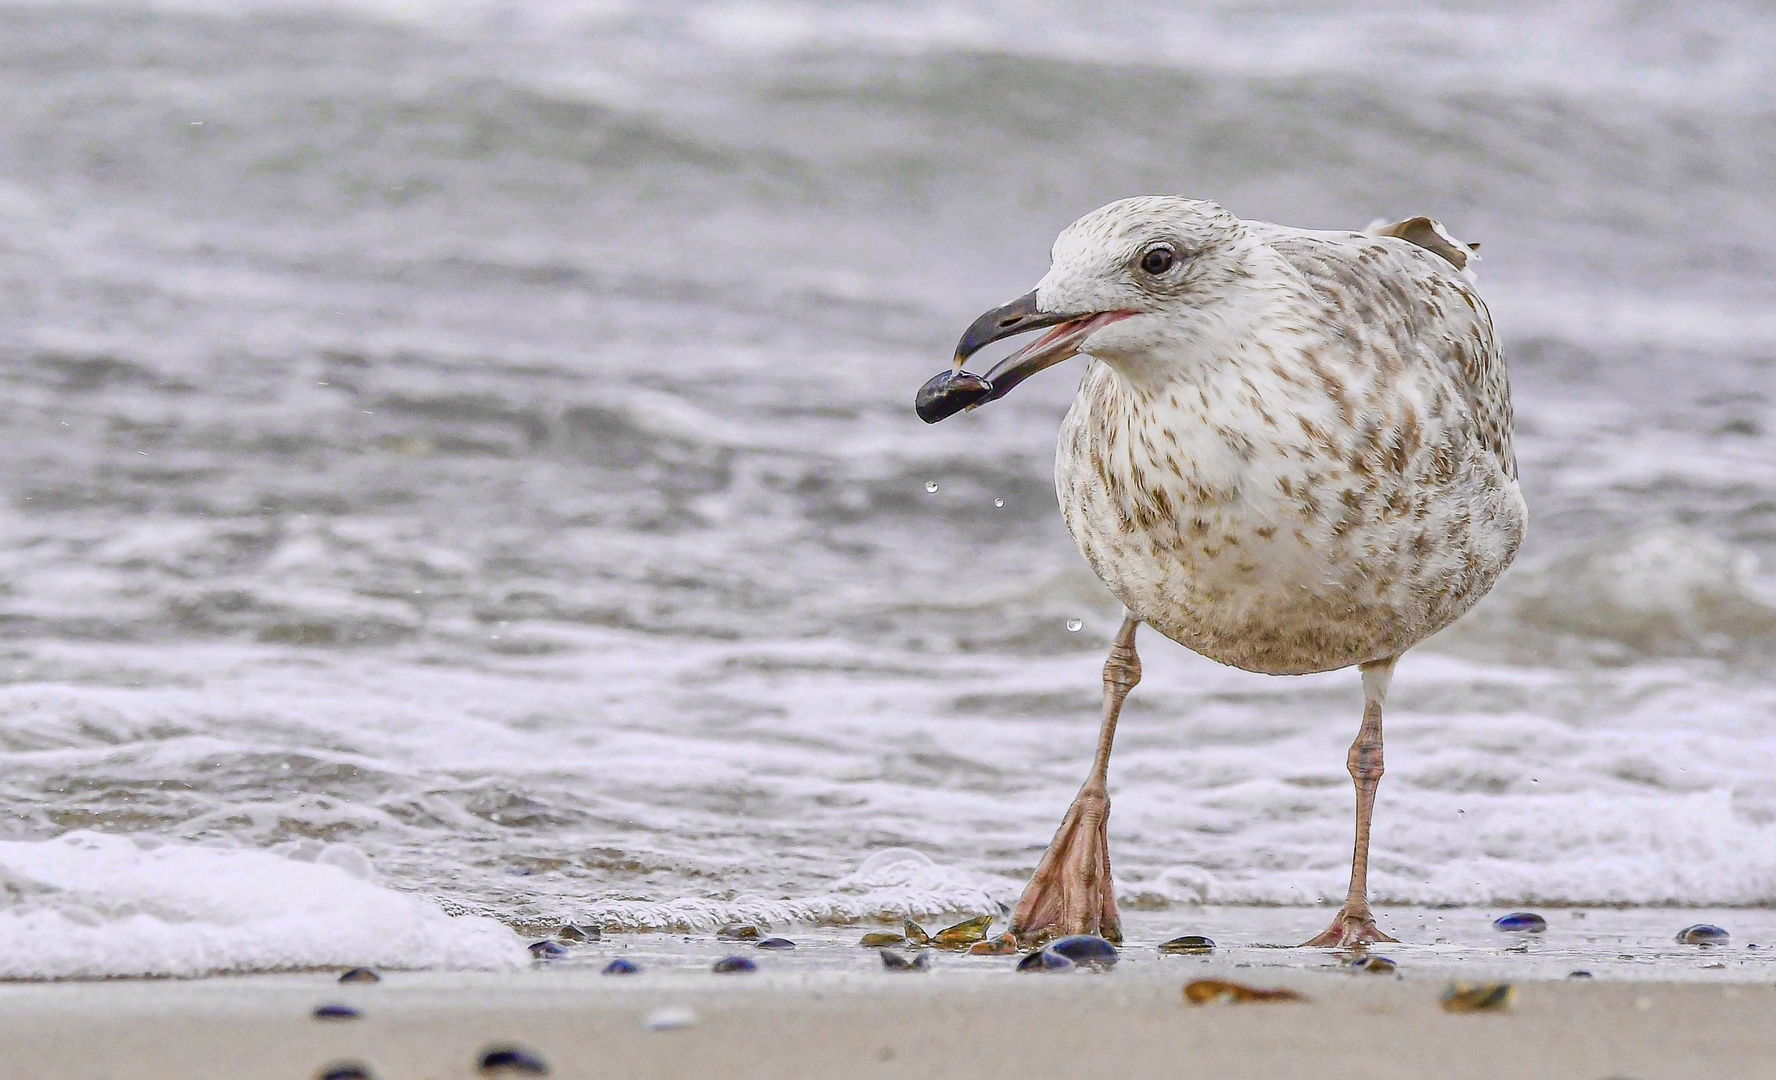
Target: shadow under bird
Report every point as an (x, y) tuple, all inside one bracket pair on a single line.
[(1291, 452)]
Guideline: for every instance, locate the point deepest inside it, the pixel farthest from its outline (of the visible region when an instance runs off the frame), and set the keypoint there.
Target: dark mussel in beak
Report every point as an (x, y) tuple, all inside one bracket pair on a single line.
[(948, 393)]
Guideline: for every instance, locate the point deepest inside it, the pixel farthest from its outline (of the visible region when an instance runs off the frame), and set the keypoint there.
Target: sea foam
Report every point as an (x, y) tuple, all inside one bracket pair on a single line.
[(90, 905)]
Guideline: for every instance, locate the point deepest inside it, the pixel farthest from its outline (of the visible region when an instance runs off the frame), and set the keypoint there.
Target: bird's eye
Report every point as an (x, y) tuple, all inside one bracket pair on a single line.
[(1158, 259)]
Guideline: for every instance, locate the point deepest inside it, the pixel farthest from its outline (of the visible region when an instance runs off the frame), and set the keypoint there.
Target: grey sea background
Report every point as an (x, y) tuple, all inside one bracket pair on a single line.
[(460, 458)]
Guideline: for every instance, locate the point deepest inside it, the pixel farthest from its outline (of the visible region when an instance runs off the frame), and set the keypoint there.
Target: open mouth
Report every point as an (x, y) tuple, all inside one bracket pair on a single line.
[(954, 391)]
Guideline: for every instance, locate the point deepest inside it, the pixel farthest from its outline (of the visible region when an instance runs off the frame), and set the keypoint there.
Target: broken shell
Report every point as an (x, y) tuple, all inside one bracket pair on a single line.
[(1578, 974), (963, 934), (1086, 950), (620, 966), (511, 1061), (1520, 922), (1484, 997), (775, 943), (730, 965), (737, 933), (573, 932), (915, 934), (1003, 945), (881, 938), (893, 961), (335, 1012), (1188, 944), (1223, 992), (1702, 934), (1374, 965), (546, 950), (344, 1070), (360, 975), (1043, 960)]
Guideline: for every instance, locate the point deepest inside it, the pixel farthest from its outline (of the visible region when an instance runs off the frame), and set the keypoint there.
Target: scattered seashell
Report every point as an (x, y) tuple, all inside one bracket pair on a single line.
[(1223, 992), (344, 1070), (732, 965), (1003, 945), (335, 1012), (1086, 950), (1702, 934), (573, 932), (546, 950), (511, 1061), (1188, 944), (963, 934), (620, 966), (879, 939), (1374, 965), (893, 961), (1520, 922), (1578, 975), (775, 943), (360, 975), (737, 933), (1484, 997), (670, 1018), (1043, 960), (915, 934)]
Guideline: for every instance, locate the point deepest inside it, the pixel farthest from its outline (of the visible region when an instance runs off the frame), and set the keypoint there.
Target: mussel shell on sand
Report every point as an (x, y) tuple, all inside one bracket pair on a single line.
[(963, 934)]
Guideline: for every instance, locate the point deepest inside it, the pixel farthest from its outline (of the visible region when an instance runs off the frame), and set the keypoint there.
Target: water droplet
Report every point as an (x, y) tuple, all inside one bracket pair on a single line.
[(998, 502), (931, 486), (1074, 626)]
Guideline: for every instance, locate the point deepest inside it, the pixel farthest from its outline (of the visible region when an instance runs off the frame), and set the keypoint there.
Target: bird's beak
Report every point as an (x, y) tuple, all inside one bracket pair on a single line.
[(955, 390)]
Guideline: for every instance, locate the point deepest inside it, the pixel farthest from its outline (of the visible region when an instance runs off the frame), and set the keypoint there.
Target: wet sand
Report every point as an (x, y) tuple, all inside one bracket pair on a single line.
[(431, 1026), (1652, 1008)]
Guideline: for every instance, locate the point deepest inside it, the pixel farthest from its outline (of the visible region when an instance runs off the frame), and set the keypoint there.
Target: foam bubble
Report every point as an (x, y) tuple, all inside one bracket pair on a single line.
[(92, 905)]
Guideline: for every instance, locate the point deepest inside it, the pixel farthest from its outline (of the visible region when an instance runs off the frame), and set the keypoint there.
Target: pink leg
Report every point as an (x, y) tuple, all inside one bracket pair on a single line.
[(1071, 892), (1354, 924)]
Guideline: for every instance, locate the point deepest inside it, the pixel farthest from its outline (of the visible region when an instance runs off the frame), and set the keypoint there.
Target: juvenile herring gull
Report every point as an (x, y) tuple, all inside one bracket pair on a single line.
[(1291, 453)]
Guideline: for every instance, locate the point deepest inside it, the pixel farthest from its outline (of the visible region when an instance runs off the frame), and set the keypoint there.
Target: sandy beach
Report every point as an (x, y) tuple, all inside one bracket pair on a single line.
[(1078, 1026), (1652, 1008)]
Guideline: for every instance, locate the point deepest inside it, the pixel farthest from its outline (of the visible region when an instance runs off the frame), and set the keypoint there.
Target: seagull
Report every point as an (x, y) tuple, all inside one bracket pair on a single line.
[(1290, 453)]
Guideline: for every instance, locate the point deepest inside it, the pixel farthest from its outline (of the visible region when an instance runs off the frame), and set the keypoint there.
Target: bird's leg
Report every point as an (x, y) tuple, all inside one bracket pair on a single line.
[(1354, 924), (1071, 892)]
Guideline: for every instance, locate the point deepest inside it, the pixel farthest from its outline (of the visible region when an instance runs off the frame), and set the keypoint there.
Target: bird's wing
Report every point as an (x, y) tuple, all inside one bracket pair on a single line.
[(1416, 300)]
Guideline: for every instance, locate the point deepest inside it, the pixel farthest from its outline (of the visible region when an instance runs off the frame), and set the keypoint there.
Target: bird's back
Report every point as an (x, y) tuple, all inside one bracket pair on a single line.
[(1411, 297), (1333, 484)]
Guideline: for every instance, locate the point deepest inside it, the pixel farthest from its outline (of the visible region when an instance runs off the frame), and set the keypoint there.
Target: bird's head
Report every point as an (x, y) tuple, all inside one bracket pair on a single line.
[(1121, 280)]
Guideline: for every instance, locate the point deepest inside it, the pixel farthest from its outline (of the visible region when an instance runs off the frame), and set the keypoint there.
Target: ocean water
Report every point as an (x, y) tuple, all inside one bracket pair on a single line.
[(461, 458)]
